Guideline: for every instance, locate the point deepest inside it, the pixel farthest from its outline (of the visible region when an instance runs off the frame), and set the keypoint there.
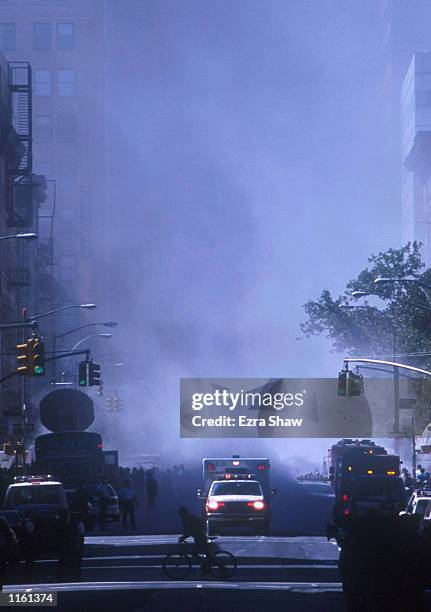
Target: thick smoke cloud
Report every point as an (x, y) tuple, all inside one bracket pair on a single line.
[(245, 165)]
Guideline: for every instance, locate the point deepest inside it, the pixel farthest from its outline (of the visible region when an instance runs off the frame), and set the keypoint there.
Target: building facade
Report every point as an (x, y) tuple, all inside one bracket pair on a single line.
[(405, 35), (416, 153), (64, 42)]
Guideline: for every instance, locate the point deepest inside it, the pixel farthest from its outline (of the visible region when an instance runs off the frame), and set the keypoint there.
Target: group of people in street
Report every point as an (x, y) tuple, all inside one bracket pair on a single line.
[(147, 496)]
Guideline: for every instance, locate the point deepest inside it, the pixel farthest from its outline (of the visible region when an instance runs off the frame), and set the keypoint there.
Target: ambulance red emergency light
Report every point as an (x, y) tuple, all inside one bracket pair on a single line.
[(236, 468)]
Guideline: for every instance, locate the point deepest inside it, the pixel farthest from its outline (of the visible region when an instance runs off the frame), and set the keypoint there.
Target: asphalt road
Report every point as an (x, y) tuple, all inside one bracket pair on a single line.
[(125, 573), (139, 558)]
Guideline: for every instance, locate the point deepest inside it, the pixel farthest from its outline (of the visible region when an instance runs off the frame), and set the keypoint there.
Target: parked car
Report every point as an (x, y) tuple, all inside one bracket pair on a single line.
[(420, 505), (43, 500)]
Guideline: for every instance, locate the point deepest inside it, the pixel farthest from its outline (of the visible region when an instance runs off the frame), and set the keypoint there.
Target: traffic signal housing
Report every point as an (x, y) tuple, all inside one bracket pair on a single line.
[(31, 358), (83, 373), (350, 384), (23, 358), (38, 358), (89, 374), (94, 374)]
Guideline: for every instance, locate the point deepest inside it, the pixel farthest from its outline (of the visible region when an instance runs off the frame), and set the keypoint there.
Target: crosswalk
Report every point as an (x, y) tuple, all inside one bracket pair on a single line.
[(140, 559)]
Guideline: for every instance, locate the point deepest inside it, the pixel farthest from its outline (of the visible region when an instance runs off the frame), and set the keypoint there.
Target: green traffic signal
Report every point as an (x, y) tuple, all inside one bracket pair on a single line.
[(38, 357), (83, 374)]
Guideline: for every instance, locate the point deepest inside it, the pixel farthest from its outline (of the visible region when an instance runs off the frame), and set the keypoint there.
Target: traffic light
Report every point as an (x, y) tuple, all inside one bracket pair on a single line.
[(31, 358), (356, 384), (94, 374), (109, 404), (118, 404), (350, 384), (114, 404), (89, 374), (83, 373), (8, 448), (23, 358), (37, 358)]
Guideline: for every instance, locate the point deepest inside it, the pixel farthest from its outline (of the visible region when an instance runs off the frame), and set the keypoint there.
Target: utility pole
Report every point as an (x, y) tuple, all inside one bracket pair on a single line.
[(413, 453), (23, 400)]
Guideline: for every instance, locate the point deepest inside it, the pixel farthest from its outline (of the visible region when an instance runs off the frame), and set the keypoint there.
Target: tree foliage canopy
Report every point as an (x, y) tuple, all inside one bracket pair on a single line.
[(369, 330)]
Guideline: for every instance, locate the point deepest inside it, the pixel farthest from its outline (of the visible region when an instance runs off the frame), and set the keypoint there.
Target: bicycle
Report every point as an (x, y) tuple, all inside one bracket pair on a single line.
[(221, 563)]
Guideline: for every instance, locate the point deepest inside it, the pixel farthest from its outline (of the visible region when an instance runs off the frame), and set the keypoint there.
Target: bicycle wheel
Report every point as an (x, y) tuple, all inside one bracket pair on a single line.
[(177, 565), (223, 564)]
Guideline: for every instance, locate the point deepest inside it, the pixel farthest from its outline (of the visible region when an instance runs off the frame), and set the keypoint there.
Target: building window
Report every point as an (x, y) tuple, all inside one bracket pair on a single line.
[(7, 36), (42, 83), (42, 36), (68, 268), (43, 128), (65, 36), (66, 128), (66, 82)]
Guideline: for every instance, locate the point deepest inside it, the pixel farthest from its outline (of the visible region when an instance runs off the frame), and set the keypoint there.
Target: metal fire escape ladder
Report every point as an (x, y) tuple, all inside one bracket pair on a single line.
[(20, 200)]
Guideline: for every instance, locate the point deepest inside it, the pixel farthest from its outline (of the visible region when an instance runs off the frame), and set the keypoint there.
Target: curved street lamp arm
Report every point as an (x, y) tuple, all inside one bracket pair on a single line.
[(394, 364), (55, 310)]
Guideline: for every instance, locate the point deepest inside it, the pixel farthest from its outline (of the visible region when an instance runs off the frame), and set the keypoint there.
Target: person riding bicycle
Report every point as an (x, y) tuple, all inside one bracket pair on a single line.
[(194, 527)]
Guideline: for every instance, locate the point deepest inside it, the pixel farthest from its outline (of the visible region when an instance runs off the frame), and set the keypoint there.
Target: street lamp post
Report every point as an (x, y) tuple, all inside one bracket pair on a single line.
[(360, 294), (28, 236), (60, 309), (56, 337), (32, 322), (380, 280), (107, 336)]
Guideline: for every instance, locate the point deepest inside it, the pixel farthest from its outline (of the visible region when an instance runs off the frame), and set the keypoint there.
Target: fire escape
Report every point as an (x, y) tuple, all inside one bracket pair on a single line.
[(20, 175), (20, 201)]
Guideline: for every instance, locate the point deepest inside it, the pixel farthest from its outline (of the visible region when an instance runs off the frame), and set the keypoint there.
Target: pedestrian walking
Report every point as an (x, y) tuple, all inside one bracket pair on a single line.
[(128, 501), (152, 489), (104, 494)]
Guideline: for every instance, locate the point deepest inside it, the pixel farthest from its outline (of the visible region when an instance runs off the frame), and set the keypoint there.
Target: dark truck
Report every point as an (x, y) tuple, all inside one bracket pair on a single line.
[(353, 459), (74, 457)]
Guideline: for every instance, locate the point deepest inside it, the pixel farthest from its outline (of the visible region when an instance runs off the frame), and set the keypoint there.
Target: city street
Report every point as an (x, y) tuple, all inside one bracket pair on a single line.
[(299, 567), (215, 305), (139, 558)]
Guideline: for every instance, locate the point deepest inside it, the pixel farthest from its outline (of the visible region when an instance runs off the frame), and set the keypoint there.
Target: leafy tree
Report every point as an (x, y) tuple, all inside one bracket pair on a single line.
[(368, 330)]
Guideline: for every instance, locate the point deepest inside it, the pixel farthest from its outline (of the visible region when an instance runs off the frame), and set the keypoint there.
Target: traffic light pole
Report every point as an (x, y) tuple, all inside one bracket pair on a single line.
[(396, 399), (23, 398), (71, 354), (396, 367)]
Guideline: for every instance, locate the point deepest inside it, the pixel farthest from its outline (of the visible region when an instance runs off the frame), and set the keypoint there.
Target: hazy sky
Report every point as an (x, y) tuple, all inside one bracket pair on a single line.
[(248, 172)]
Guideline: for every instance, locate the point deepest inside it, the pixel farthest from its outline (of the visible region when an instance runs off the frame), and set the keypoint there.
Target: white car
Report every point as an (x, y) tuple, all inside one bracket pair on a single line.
[(40, 495), (237, 503), (420, 504)]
